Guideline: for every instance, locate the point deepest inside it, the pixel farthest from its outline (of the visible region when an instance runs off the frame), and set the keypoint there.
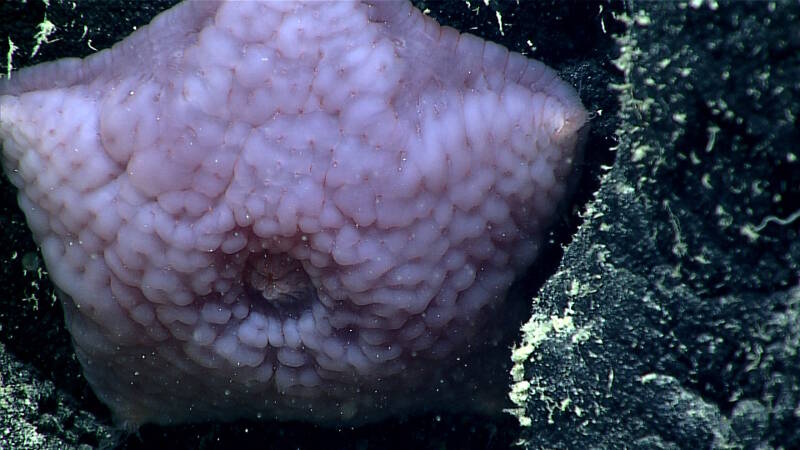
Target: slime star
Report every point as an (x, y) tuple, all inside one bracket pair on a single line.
[(286, 209)]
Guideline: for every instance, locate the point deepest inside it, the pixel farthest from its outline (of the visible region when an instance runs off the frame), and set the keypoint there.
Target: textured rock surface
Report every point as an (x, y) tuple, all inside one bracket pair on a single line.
[(673, 320), (37, 416), (298, 230)]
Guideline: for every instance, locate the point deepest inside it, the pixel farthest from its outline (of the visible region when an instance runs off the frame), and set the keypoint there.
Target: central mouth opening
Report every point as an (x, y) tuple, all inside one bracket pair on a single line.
[(278, 285)]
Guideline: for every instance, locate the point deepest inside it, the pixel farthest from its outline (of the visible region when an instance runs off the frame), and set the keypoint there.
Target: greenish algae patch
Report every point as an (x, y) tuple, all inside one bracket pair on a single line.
[(539, 328)]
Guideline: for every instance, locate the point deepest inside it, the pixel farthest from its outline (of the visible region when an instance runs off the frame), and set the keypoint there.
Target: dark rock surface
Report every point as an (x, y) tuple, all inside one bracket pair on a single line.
[(674, 318)]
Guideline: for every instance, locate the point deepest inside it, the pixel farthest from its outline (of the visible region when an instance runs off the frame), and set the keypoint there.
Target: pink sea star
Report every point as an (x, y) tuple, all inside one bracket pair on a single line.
[(298, 210)]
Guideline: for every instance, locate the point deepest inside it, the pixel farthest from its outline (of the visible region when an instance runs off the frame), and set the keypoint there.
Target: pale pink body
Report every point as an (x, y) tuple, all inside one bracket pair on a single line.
[(278, 209)]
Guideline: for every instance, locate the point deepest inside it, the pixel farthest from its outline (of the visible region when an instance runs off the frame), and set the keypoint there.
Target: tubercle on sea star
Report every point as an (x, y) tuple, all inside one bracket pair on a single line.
[(299, 210)]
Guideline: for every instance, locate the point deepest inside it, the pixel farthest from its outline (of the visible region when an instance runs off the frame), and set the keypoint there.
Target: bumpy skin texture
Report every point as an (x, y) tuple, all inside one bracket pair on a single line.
[(279, 209)]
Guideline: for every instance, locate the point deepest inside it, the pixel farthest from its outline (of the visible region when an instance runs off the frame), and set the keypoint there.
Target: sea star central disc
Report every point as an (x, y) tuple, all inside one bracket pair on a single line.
[(285, 209)]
